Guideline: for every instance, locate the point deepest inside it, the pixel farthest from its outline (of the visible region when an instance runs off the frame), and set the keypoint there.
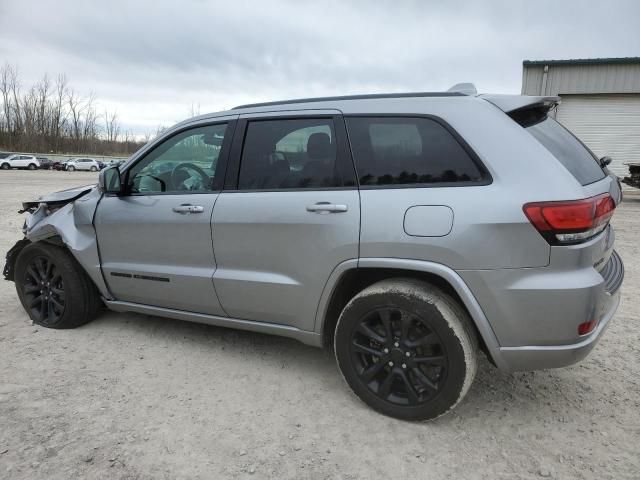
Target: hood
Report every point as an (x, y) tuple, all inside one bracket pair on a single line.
[(57, 199)]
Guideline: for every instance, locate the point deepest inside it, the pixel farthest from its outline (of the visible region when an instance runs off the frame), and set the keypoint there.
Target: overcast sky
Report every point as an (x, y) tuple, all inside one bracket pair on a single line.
[(151, 60)]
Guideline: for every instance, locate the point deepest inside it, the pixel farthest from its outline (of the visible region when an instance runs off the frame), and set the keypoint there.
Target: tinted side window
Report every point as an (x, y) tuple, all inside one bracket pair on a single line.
[(186, 161), (404, 151), (568, 150), (281, 154)]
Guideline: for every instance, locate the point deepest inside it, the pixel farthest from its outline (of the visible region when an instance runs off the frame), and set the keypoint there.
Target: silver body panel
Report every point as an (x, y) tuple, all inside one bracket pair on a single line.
[(274, 257), (261, 261), (171, 253)]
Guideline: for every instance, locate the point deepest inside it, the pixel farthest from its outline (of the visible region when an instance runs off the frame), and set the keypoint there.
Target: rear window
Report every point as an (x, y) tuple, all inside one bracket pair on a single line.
[(406, 151), (575, 157)]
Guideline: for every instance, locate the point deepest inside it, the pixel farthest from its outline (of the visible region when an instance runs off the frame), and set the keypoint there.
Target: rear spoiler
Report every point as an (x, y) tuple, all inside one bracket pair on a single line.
[(511, 103)]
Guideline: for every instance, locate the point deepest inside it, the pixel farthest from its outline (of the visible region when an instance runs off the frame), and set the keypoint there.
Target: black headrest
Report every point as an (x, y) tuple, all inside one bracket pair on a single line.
[(318, 146)]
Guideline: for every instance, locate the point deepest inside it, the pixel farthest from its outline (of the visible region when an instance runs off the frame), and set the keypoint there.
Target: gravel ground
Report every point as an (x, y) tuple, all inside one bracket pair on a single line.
[(136, 397)]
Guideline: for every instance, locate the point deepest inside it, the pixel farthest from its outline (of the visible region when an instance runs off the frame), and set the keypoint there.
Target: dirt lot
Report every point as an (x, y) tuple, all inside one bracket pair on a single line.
[(131, 396)]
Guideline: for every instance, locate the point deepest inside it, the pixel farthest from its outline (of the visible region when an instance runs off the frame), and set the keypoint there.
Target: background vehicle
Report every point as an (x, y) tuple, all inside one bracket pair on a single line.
[(45, 163), (19, 161), (82, 164), (366, 223), (634, 175)]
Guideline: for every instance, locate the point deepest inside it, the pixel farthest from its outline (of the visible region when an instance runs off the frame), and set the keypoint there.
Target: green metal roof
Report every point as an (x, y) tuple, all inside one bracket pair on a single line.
[(582, 61)]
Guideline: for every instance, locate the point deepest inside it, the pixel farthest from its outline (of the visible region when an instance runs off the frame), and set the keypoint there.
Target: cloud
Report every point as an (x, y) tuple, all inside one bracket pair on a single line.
[(153, 59)]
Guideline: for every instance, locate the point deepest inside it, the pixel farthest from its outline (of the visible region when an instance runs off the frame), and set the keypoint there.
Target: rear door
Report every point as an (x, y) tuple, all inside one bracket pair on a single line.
[(155, 240), (289, 214)]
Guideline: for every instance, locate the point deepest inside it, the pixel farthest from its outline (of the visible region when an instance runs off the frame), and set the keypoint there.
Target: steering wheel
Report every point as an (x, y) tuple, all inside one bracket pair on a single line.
[(175, 181)]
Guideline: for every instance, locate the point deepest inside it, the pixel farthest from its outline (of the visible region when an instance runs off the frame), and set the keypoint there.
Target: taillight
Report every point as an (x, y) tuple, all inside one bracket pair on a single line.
[(571, 221)]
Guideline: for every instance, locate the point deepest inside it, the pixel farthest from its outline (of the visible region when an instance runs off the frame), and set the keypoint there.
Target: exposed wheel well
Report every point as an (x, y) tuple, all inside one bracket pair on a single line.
[(354, 281)]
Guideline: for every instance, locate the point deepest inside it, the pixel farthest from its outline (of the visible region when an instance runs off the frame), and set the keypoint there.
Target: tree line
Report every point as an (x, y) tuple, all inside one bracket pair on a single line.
[(51, 117)]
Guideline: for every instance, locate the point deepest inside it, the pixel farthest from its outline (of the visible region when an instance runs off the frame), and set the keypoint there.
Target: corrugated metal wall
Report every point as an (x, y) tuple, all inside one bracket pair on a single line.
[(608, 124), (600, 104), (576, 79)]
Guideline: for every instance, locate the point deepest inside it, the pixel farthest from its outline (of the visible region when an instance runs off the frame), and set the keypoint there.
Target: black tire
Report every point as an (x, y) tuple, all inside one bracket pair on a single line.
[(71, 168), (406, 349), (32, 166), (70, 297), (93, 169), (5, 166)]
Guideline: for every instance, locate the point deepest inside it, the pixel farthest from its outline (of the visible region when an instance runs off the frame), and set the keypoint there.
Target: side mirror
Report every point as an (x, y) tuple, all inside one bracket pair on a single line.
[(604, 161), (109, 180)]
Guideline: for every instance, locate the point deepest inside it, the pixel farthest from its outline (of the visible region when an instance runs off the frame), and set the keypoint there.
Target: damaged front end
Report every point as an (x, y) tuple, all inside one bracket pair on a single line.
[(64, 218)]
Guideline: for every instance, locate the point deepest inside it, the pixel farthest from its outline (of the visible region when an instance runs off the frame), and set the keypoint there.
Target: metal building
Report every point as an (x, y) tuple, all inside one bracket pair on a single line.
[(600, 102)]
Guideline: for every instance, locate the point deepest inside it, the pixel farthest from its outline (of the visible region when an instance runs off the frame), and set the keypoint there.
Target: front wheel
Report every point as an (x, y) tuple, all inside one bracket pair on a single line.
[(407, 349), (71, 168), (32, 166), (5, 166), (93, 169), (53, 288)]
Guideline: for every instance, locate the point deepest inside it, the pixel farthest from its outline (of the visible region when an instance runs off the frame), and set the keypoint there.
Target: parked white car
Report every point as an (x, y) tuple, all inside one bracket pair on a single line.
[(19, 161), (82, 164)]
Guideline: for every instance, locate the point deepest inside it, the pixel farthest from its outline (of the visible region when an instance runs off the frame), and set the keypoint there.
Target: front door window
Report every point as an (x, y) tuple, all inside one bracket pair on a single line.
[(186, 162)]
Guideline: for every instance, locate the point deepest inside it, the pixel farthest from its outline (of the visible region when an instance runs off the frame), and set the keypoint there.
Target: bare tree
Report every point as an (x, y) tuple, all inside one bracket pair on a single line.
[(14, 85), (75, 111), (49, 116), (5, 89), (112, 127), (195, 110), (59, 115)]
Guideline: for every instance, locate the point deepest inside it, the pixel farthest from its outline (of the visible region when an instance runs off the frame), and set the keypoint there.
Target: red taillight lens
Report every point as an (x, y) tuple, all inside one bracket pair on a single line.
[(571, 221), (587, 327)]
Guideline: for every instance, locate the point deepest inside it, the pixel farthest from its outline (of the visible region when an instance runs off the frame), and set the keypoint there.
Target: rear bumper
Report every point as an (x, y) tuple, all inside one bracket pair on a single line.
[(535, 313), (527, 358)]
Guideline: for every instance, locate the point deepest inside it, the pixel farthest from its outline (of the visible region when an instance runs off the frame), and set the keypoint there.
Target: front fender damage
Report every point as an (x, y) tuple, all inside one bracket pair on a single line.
[(72, 224)]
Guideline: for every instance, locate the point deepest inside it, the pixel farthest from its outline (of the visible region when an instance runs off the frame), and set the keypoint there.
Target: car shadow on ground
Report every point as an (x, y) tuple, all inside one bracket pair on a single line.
[(493, 392)]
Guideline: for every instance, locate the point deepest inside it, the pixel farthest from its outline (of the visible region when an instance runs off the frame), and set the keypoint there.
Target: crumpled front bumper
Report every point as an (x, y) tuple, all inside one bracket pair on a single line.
[(10, 259)]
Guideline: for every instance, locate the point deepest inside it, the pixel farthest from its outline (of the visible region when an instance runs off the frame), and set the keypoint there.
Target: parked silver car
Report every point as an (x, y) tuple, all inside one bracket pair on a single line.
[(407, 231), (88, 164)]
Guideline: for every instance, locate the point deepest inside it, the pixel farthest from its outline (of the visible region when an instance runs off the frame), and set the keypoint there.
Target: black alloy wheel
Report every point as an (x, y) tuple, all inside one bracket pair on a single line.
[(406, 348), (44, 291), (398, 357)]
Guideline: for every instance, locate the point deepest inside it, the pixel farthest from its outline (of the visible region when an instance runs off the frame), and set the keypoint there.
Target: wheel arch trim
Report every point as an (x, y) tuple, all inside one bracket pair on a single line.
[(447, 274)]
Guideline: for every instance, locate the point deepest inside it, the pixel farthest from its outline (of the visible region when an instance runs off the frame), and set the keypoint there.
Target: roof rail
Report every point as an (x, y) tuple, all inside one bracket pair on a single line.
[(464, 88), (450, 93)]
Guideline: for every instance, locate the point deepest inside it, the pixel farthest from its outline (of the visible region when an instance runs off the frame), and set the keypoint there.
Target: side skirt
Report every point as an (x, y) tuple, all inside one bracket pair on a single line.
[(308, 338)]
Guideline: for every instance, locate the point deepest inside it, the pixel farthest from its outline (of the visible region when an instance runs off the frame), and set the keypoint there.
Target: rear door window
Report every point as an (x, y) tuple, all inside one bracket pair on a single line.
[(572, 153), (299, 153), (408, 151)]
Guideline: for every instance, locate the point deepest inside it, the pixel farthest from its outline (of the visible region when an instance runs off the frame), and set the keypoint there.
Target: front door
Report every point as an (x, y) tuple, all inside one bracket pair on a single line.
[(155, 240), (291, 214)]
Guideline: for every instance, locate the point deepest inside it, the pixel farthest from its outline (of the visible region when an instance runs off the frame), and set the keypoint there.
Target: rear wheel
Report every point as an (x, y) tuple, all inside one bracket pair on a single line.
[(406, 349), (53, 288)]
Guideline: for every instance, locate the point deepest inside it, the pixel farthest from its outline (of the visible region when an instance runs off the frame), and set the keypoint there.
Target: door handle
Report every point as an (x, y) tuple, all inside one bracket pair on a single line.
[(326, 207), (186, 209)]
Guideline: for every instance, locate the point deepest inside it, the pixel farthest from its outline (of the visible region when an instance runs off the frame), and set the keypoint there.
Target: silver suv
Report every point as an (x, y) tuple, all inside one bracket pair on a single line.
[(408, 231)]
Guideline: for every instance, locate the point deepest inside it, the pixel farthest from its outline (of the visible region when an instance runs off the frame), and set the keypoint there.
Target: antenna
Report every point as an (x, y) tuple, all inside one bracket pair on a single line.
[(464, 88)]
